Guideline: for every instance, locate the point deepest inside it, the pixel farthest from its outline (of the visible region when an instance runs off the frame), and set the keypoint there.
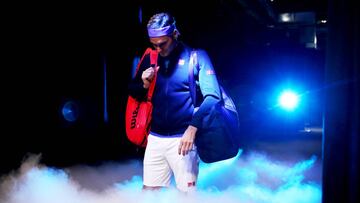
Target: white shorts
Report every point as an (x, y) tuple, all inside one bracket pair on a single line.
[(161, 160)]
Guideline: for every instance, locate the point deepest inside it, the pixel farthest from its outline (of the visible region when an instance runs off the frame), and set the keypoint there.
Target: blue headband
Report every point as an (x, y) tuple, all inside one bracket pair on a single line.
[(161, 31)]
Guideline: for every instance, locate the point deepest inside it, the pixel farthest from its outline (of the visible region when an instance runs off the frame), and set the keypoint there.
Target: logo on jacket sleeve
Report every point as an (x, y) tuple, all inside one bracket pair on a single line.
[(210, 72)]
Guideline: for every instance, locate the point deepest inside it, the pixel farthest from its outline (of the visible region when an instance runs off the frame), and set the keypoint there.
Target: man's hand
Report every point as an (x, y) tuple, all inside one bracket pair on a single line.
[(148, 75), (187, 140)]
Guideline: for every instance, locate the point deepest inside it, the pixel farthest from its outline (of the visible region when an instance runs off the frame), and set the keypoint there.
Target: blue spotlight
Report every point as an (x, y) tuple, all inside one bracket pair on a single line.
[(70, 111), (288, 100)]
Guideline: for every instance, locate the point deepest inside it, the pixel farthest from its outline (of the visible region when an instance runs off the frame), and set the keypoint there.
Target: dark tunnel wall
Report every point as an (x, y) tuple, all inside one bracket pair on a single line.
[(57, 53), (341, 118)]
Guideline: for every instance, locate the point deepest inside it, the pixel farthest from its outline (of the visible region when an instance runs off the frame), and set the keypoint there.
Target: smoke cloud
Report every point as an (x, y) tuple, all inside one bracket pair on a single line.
[(250, 178)]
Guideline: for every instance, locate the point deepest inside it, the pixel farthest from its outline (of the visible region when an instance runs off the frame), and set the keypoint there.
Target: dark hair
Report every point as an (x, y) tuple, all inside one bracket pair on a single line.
[(160, 20)]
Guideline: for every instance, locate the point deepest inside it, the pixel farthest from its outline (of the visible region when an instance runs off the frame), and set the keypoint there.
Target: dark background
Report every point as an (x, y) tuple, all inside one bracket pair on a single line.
[(58, 52)]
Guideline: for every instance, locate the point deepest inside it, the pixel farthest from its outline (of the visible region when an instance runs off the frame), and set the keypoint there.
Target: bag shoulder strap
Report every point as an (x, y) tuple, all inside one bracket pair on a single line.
[(153, 61), (147, 51), (192, 63)]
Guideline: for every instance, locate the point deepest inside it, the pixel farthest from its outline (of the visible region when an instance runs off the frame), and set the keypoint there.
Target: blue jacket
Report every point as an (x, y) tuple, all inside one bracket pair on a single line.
[(173, 108)]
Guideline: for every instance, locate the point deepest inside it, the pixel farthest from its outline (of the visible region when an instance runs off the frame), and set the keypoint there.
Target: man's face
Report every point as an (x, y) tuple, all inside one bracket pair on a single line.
[(163, 45)]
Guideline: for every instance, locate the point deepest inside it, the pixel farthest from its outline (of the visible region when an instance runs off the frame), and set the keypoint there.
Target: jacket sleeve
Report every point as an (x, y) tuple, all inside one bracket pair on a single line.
[(135, 87), (209, 87)]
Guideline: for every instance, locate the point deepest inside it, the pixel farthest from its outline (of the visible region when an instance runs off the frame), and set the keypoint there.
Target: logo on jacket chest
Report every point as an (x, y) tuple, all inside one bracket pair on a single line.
[(181, 62)]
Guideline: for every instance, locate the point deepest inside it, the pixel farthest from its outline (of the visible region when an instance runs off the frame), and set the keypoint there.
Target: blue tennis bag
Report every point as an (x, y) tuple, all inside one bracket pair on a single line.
[(217, 139)]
